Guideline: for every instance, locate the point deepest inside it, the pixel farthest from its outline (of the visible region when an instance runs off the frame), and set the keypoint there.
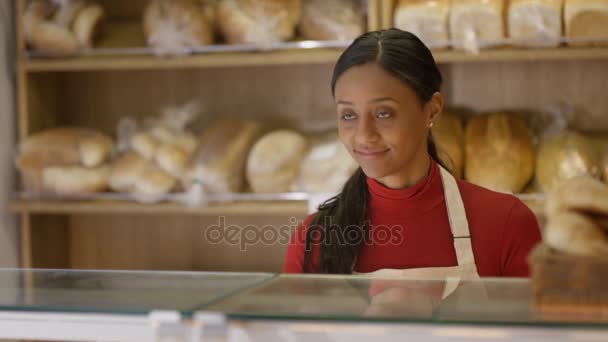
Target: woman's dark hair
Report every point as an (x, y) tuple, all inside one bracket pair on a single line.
[(341, 222)]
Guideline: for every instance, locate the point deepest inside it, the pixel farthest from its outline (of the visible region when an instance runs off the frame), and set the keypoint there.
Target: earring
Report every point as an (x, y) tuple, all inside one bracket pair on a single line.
[(431, 124)]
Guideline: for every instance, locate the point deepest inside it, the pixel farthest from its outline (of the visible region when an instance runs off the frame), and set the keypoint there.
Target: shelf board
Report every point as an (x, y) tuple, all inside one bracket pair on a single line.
[(211, 60), (289, 57), (128, 34), (521, 54), (131, 208)]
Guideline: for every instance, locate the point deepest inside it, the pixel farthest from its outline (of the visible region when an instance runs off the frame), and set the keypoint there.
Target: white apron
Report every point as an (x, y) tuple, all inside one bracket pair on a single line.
[(466, 269)]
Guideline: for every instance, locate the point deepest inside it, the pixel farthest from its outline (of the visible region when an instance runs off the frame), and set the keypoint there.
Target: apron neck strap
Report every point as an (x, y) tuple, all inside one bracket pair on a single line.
[(453, 201)]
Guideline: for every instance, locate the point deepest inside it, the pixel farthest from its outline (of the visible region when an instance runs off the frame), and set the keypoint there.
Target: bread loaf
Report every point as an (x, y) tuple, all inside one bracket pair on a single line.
[(586, 19), (72, 180), (258, 21), (126, 170), (477, 23), (274, 161), (332, 20), (186, 142), (63, 147), (535, 22), (427, 19), (37, 12), (88, 25), (172, 160), (448, 134), (563, 156), (171, 26), (95, 150), (219, 162), (68, 12), (326, 166), (604, 167), (499, 152), (53, 40), (144, 144), (154, 181), (577, 234), (583, 194)]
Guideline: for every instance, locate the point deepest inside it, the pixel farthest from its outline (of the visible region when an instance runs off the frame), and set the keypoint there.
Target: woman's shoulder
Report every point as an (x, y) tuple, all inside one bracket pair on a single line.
[(478, 199)]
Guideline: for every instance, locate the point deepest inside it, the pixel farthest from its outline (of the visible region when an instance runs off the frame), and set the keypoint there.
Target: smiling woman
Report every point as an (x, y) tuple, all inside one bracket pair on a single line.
[(402, 212)]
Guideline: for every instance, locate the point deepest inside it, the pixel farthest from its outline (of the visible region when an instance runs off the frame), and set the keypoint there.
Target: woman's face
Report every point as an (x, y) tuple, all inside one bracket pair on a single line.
[(381, 121)]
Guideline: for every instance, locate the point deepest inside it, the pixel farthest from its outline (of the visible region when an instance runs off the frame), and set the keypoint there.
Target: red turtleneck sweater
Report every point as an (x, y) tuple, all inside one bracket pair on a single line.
[(503, 230)]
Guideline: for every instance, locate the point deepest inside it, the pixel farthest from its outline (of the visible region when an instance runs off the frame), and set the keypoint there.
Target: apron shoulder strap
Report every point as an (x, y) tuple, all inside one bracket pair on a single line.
[(457, 218)]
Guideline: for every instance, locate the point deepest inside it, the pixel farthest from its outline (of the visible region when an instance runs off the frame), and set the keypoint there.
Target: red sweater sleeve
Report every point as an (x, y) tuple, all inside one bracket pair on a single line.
[(295, 250), (521, 234)]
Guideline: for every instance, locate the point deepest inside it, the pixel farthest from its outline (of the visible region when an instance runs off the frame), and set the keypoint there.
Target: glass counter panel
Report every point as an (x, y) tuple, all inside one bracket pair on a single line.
[(354, 298), (126, 292)]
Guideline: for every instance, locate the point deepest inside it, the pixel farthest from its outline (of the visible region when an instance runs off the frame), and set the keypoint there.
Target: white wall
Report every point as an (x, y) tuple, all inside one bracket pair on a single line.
[(8, 231)]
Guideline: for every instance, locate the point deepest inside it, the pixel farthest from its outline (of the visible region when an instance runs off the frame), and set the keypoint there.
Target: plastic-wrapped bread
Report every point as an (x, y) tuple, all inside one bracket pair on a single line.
[(576, 234), (258, 21), (448, 134), (88, 25), (220, 161), (72, 180), (274, 161), (476, 24), (171, 26), (332, 20), (172, 160), (326, 166), (427, 19), (586, 19), (583, 194), (577, 209), (154, 181), (535, 22), (563, 156), (126, 170), (145, 144), (499, 152)]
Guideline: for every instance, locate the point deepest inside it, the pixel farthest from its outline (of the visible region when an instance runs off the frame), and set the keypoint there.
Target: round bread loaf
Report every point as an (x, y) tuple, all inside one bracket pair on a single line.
[(274, 161), (448, 134), (326, 166), (499, 152), (563, 156)]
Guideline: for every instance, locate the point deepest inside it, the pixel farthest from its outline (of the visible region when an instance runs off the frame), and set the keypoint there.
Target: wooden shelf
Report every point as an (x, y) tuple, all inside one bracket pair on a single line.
[(211, 60), (289, 57), (127, 208), (128, 34)]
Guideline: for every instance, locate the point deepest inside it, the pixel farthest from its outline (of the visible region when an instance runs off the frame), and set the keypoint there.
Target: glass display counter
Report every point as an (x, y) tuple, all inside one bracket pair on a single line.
[(75, 305)]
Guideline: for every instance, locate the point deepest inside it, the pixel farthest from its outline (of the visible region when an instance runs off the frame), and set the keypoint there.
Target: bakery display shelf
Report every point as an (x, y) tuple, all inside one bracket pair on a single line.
[(115, 207), (292, 56), (241, 204), (123, 48)]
